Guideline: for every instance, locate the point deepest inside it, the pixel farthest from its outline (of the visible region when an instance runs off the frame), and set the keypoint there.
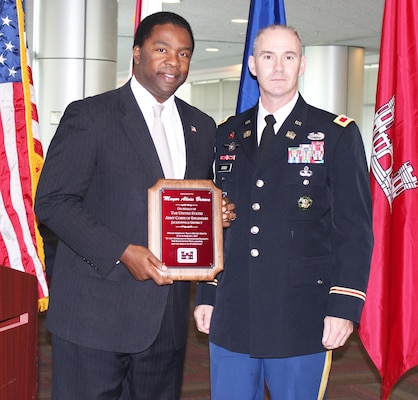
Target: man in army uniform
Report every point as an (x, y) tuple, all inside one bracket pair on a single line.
[(297, 257)]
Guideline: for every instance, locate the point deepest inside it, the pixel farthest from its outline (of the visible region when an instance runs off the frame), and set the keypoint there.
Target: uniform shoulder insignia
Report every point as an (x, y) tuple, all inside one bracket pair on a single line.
[(222, 121), (343, 120)]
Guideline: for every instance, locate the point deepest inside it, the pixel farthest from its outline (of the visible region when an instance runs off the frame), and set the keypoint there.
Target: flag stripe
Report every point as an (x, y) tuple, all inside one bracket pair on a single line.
[(21, 150)]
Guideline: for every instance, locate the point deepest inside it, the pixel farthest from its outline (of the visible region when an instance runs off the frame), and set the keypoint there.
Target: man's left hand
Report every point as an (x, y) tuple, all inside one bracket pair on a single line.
[(336, 332)]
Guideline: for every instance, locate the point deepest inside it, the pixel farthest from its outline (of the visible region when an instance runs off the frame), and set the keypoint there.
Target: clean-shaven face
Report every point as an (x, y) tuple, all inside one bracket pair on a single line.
[(277, 63), (161, 65)]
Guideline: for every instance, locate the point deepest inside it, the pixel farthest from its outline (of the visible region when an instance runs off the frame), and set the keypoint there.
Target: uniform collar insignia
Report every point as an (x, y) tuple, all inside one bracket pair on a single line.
[(291, 135)]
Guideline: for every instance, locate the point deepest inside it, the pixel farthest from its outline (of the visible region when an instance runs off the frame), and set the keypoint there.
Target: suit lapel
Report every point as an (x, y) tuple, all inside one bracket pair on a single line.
[(137, 131), (192, 142)]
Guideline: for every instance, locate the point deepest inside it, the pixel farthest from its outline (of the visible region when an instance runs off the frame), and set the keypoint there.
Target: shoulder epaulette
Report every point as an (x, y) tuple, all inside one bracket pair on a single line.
[(343, 120), (222, 121)]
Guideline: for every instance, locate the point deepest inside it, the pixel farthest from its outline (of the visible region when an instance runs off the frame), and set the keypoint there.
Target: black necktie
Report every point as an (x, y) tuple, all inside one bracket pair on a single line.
[(267, 135)]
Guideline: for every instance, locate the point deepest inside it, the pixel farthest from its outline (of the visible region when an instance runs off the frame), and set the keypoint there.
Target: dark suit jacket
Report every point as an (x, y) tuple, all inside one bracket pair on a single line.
[(300, 247), (93, 194)]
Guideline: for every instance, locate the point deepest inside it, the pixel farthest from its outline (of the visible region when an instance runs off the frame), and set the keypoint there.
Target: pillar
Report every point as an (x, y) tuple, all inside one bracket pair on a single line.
[(75, 55), (333, 79)]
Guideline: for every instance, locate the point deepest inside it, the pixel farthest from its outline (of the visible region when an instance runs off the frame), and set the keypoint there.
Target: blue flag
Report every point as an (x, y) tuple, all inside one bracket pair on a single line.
[(262, 13)]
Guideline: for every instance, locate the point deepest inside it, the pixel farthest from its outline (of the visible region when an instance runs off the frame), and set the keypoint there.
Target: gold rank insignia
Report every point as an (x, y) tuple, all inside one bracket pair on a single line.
[(291, 135), (246, 134), (247, 122), (298, 123), (343, 120)]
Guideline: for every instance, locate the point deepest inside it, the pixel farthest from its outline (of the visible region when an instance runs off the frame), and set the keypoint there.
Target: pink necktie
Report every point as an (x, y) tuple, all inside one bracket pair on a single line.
[(160, 141)]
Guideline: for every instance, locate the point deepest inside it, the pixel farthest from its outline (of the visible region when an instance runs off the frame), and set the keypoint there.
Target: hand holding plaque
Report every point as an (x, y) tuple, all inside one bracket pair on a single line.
[(185, 228)]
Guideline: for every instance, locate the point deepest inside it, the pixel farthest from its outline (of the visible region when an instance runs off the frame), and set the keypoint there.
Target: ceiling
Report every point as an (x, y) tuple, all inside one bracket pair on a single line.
[(320, 22)]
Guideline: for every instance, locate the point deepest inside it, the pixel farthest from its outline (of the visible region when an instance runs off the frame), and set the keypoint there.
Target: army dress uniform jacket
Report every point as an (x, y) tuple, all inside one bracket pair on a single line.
[(300, 247), (93, 194)]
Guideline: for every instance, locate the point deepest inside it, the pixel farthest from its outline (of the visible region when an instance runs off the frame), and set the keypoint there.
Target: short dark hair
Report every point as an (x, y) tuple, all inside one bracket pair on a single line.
[(146, 26)]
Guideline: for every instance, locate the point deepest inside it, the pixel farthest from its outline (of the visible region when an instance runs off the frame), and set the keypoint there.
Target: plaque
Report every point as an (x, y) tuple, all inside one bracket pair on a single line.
[(185, 228)]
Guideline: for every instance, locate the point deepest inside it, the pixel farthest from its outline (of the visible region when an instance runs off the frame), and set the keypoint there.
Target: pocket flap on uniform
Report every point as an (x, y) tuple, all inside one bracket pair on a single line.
[(310, 270)]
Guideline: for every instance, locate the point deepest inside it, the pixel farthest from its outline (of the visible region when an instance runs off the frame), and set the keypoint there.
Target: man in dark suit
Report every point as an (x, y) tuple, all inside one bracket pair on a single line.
[(297, 257), (115, 320)]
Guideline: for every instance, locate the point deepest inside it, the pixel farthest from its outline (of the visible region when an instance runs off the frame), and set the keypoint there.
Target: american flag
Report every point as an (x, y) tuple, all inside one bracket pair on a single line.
[(21, 157)]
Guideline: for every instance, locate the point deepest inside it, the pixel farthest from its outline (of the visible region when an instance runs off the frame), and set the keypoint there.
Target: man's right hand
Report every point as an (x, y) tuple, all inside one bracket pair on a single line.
[(143, 265)]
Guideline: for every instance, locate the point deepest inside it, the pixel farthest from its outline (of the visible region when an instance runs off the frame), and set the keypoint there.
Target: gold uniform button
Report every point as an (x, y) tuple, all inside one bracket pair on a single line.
[(259, 183), (254, 253), (254, 230), (256, 206)]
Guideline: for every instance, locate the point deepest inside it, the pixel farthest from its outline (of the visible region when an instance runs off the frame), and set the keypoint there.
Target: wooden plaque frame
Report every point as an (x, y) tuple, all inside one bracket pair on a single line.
[(176, 209)]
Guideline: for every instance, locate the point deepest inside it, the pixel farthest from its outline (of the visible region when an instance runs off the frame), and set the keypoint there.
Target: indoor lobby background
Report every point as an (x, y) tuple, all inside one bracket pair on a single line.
[(83, 47)]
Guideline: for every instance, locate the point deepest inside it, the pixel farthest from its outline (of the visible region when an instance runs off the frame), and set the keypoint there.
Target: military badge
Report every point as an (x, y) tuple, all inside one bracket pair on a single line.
[(298, 123), (290, 135), (316, 136), (231, 135), (246, 134), (231, 146), (305, 202), (227, 157), (305, 171), (225, 167), (312, 153), (343, 120)]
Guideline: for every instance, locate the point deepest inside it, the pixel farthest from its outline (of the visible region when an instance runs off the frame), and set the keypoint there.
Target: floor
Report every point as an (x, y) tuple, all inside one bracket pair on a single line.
[(353, 376)]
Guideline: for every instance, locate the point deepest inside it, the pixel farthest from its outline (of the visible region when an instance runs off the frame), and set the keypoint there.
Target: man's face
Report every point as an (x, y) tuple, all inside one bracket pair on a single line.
[(161, 65), (277, 63)]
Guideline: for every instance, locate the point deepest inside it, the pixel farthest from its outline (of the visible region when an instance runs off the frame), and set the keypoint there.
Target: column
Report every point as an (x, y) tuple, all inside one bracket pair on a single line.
[(75, 53), (333, 79)]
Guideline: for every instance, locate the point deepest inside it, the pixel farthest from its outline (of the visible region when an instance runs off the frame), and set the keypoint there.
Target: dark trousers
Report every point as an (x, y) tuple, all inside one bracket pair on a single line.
[(85, 373)]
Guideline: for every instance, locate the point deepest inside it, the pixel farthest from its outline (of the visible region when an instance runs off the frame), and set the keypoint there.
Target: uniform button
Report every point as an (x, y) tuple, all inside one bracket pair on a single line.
[(306, 182), (254, 230), (259, 183), (319, 281), (256, 206), (254, 253)]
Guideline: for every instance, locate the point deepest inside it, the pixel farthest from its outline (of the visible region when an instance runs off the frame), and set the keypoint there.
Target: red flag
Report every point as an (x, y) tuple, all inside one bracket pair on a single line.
[(143, 8), (388, 327), (21, 156)]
